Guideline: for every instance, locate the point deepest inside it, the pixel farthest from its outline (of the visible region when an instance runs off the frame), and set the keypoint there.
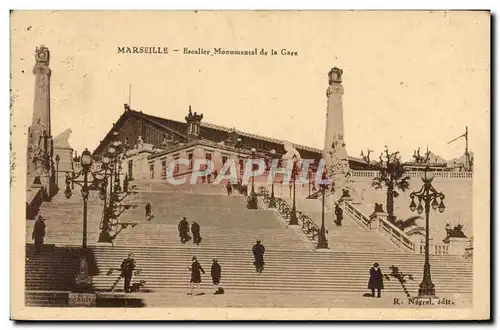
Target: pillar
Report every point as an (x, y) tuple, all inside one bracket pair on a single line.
[(40, 170)]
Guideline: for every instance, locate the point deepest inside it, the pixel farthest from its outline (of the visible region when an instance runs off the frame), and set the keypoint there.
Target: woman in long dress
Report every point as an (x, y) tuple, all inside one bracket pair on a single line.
[(376, 281), (196, 271)]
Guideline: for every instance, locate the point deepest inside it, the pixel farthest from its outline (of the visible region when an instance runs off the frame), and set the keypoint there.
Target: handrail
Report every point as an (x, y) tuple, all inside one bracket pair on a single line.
[(309, 227), (358, 216), (395, 234), (382, 225)]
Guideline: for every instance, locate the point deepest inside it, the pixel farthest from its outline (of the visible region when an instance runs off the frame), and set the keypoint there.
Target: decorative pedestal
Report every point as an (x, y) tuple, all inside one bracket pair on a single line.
[(272, 203), (83, 282), (374, 217), (252, 203), (82, 299), (458, 245)]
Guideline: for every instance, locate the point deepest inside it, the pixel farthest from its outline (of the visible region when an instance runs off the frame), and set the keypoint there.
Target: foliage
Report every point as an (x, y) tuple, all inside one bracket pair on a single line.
[(392, 175), (407, 223)]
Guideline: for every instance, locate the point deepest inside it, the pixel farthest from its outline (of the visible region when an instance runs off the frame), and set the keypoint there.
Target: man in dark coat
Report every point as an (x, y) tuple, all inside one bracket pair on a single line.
[(258, 255), (196, 271), (339, 215), (229, 188), (148, 211), (183, 230), (127, 268), (376, 281), (38, 233), (195, 230), (215, 272)]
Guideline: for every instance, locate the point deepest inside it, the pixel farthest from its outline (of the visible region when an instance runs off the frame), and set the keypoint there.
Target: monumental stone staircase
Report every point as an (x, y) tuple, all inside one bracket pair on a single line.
[(348, 237), (228, 230), (458, 202)]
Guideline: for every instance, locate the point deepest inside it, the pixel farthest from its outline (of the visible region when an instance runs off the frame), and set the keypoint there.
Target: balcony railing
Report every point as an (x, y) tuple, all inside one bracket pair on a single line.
[(437, 249), (416, 174)]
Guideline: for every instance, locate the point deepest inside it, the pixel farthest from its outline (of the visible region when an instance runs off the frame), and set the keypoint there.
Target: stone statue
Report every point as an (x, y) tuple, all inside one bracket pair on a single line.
[(455, 232), (335, 76), (61, 141), (379, 208), (290, 151)]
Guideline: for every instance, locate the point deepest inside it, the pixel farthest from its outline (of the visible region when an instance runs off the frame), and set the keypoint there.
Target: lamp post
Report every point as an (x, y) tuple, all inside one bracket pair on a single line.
[(253, 150), (322, 241), (252, 199), (293, 214), (57, 169), (104, 234), (86, 163), (309, 176), (430, 197), (272, 200), (82, 279), (237, 146), (111, 161)]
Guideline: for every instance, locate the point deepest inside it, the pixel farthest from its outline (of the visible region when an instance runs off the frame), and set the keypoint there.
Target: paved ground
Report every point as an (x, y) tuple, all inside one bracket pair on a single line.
[(290, 300)]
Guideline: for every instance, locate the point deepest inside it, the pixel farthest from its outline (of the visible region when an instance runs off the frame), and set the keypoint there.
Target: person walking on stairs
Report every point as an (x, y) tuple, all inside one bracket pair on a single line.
[(149, 214), (339, 215), (183, 228), (229, 188), (258, 254), (196, 271), (215, 272), (376, 281), (38, 233), (195, 230), (127, 268)]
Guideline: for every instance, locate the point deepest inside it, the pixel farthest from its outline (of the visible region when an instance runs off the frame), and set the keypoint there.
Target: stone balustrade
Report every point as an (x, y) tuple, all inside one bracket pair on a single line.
[(416, 174), (379, 222)]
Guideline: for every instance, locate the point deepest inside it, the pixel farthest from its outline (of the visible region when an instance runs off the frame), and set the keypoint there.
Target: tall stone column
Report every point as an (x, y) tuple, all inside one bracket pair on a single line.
[(334, 110), (335, 154), (40, 144)]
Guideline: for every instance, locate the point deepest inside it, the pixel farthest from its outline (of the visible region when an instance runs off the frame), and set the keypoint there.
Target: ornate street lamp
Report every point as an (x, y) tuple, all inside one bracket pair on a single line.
[(252, 199), (104, 234), (82, 279), (309, 176), (293, 214), (72, 178), (253, 169), (322, 240), (430, 197), (57, 169), (110, 161), (272, 200)]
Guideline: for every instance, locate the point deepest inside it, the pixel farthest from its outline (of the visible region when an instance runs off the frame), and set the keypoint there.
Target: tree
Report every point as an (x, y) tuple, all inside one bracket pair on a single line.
[(407, 223), (392, 175)]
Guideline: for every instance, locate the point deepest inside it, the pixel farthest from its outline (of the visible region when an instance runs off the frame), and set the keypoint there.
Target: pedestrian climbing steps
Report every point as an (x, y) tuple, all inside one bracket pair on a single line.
[(229, 230), (166, 268)]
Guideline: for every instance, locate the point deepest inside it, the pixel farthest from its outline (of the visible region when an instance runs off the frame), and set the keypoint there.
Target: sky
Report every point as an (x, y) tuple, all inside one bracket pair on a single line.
[(411, 79)]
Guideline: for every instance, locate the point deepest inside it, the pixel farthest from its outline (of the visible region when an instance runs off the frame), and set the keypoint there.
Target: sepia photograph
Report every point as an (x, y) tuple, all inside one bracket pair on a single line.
[(250, 165)]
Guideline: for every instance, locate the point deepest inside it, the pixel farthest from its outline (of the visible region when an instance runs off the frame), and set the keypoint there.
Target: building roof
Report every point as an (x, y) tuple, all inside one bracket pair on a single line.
[(167, 124)]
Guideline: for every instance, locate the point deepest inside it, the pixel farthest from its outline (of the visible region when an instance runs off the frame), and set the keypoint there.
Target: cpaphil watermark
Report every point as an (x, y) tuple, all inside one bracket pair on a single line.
[(289, 170)]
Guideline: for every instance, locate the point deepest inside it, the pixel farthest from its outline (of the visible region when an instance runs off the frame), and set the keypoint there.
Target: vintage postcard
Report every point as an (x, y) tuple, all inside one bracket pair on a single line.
[(250, 165)]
